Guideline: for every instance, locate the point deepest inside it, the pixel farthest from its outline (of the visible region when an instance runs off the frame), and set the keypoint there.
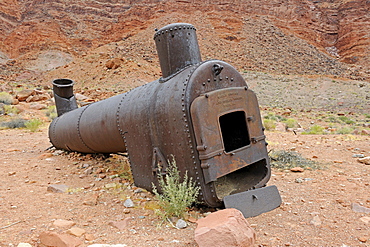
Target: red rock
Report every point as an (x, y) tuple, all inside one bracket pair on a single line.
[(76, 231), (121, 225), (365, 160), (64, 223), (24, 94), (365, 219), (57, 188), (89, 237), (297, 169), (226, 227), (59, 240), (114, 63)]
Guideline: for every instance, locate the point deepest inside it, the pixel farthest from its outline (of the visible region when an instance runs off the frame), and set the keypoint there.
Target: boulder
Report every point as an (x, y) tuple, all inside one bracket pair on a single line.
[(24, 94), (226, 227)]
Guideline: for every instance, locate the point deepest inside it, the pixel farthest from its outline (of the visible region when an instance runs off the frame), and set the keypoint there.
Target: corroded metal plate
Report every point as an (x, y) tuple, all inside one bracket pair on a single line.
[(254, 202)]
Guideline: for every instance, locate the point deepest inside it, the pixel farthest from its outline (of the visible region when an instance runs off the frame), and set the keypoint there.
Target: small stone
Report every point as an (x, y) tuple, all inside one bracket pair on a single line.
[(358, 156), (45, 155), (89, 237), (57, 188), (365, 160), (181, 224), (63, 223), (138, 190), (24, 245), (11, 173), (92, 200), (362, 239), (128, 203), (365, 219), (121, 225), (126, 211), (192, 219), (316, 221), (297, 169), (89, 171), (359, 209), (76, 231), (299, 180)]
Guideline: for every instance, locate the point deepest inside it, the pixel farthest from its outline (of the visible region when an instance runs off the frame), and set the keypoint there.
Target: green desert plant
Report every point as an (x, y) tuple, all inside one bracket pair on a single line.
[(291, 123), (315, 130), (177, 194), (345, 130), (6, 98), (10, 110), (269, 124), (33, 124), (346, 120)]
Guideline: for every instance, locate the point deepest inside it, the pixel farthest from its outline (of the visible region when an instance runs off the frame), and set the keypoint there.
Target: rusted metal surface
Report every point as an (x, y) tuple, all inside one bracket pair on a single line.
[(63, 95), (254, 202), (177, 47), (201, 113)]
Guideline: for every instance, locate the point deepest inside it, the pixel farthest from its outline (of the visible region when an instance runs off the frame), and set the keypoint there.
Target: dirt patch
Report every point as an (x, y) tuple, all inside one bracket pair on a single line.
[(316, 208)]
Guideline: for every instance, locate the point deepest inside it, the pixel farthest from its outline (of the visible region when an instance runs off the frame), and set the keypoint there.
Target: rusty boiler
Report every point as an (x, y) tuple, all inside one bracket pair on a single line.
[(200, 112)]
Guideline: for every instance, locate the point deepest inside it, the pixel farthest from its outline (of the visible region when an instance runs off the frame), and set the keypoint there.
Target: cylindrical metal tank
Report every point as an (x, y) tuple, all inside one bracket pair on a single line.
[(201, 113)]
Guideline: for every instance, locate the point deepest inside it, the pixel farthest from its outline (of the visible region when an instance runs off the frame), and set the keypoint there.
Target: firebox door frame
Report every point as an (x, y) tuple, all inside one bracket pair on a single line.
[(206, 111)]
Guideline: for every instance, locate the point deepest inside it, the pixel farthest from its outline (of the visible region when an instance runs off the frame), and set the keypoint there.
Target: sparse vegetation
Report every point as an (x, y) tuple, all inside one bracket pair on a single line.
[(120, 166), (345, 130), (33, 124), (10, 110), (51, 112), (13, 123), (177, 194), (6, 98), (346, 120), (291, 123), (285, 160), (315, 130), (269, 124)]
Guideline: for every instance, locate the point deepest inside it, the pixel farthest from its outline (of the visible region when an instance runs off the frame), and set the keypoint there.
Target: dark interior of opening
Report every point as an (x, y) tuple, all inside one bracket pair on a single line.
[(241, 180), (234, 130)]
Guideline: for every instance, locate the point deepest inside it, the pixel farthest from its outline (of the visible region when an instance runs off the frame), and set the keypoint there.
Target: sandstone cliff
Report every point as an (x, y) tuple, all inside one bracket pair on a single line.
[(288, 37)]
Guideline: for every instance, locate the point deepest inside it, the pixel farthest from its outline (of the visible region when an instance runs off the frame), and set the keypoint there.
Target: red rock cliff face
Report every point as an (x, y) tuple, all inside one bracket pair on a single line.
[(338, 28)]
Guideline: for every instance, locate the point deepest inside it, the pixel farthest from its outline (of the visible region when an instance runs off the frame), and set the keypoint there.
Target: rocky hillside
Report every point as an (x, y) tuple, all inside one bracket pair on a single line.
[(327, 37)]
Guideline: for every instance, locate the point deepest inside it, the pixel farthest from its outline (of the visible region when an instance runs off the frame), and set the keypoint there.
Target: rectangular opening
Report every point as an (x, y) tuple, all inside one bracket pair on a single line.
[(234, 130)]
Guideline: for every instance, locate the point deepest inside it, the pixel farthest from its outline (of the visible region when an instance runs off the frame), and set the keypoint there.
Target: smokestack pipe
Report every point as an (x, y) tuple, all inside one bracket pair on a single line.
[(64, 97), (177, 48)]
